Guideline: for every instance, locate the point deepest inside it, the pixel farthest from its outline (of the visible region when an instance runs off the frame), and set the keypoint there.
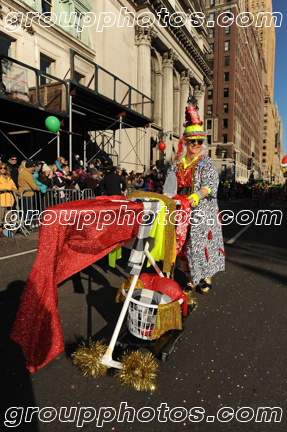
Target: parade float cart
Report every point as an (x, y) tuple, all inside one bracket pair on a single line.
[(70, 247)]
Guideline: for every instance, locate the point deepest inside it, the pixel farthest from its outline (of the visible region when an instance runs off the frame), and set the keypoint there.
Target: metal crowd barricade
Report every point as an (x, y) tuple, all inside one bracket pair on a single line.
[(33, 203), (87, 194), (8, 215)]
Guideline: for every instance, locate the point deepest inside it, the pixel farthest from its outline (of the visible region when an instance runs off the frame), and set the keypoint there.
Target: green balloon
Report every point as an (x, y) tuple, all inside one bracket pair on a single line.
[(52, 124)]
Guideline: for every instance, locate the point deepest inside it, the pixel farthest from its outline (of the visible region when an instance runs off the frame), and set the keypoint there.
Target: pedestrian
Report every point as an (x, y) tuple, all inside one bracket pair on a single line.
[(225, 190), (112, 183), (27, 187), (7, 188), (256, 189), (13, 167), (92, 182), (202, 255)]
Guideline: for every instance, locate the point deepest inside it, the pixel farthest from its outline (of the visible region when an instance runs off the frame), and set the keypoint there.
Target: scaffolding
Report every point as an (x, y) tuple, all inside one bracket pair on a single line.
[(105, 105)]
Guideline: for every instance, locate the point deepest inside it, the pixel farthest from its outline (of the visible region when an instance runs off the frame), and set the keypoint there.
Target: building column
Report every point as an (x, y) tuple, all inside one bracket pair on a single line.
[(176, 111), (167, 109), (143, 38)]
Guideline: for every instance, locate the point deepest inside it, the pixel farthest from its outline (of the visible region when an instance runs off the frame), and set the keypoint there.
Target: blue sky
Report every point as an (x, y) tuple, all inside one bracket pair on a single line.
[(280, 87)]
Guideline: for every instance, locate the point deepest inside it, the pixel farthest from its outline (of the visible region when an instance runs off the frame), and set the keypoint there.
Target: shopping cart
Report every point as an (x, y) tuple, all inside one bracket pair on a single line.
[(138, 335)]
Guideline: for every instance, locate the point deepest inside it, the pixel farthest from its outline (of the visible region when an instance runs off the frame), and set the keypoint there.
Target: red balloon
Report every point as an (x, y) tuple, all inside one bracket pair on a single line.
[(162, 146)]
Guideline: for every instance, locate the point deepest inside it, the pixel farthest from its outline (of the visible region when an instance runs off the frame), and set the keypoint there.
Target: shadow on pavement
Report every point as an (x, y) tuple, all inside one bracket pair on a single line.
[(16, 386)]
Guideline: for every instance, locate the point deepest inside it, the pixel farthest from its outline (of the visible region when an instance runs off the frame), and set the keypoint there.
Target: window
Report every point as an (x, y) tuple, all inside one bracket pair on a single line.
[(211, 33), (209, 94), (225, 123), (209, 124), (224, 154), (78, 25), (211, 63), (227, 30), (212, 16), (223, 169), (264, 154), (224, 138), (226, 76), (45, 66), (227, 45), (212, 2), (211, 48), (46, 6), (209, 153), (226, 92), (5, 46), (209, 139), (225, 108), (226, 61), (209, 108)]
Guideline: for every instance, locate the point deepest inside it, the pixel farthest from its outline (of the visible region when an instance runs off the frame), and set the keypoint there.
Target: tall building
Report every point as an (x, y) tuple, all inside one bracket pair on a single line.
[(266, 35), (279, 151), (234, 103)]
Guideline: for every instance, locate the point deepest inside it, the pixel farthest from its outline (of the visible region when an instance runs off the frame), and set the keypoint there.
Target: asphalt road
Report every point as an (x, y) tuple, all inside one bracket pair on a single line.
[(232, 355)]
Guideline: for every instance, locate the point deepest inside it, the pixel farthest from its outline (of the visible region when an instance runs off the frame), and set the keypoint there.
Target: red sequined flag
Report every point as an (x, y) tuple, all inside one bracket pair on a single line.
[(64, 250)]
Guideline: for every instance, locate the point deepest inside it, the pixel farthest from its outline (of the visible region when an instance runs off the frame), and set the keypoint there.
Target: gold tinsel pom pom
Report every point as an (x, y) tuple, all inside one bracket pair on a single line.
[(88, 359), (138, 371), (189, 299)]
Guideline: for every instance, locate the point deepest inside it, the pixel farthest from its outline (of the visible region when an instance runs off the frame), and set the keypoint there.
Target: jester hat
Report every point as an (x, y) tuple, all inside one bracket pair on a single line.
[(193, 128)]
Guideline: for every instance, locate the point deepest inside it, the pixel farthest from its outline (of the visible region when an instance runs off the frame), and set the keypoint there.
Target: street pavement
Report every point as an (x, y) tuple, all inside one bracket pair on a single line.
[(233, 352)]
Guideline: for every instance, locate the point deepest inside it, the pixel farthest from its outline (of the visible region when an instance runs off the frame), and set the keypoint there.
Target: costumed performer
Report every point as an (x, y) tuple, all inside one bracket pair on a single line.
[(202, 254), (256, 192)]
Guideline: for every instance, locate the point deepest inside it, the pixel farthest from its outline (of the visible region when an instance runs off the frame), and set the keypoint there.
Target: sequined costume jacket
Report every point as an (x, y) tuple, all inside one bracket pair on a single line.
[(205, 249)]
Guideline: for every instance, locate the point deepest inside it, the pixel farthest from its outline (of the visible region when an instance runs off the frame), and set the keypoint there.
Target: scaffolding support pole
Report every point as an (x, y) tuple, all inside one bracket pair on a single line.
[(58, 145), (85, 149), (120, 141), (11, 142), (114, 146), (145, 137), (70, 134)]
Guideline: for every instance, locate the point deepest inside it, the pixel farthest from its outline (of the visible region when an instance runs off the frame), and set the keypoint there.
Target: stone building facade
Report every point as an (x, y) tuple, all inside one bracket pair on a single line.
[(165, 62)]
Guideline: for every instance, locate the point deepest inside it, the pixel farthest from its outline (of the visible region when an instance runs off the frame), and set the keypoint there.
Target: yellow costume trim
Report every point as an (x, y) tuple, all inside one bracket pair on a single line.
[(169, 229), (114, 255), (195, 198), (205, 187), (186, 165)]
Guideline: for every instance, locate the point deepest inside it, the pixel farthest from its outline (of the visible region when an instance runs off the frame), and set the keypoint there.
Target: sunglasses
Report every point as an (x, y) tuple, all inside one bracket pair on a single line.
[(13, 159), (200, 142), (3, 168)]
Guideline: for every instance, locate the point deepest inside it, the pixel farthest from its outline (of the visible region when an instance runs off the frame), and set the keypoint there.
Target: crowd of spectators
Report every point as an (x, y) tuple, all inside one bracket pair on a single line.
[(99, 176)]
